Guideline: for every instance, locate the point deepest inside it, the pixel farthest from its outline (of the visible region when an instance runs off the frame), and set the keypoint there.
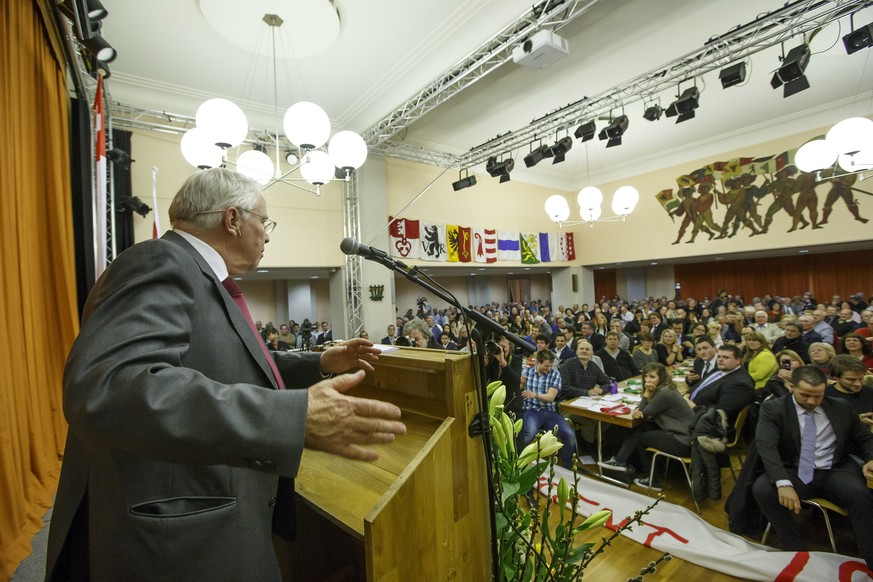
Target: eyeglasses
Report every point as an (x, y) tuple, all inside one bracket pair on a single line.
[(269, 225)]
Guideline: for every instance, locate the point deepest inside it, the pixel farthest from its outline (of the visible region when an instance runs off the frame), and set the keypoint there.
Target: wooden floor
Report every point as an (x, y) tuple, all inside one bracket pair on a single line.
[(626, 557)]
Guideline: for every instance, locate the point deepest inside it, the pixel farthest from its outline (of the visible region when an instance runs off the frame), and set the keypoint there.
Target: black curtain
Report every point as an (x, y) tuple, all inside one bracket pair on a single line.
[(81, 166), (123, 191)]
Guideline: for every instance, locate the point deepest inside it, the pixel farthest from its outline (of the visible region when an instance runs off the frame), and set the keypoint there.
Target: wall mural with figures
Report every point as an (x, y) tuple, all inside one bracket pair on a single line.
[(746, 196)]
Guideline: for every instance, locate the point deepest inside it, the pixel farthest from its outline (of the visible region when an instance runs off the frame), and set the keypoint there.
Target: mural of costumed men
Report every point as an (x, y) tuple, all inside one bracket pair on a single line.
[(806, 200), (841, 187), (782, 188)]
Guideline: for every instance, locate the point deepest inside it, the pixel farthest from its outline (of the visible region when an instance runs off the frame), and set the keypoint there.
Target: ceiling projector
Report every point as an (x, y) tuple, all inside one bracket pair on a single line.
[(541, 50)]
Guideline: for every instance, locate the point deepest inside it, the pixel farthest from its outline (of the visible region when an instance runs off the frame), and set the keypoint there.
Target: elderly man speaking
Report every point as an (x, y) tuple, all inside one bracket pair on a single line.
[(184, 431)]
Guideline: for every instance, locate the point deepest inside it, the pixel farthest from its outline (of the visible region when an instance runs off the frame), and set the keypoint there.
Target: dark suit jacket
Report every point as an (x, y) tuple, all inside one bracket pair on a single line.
[(178, 437), (387, 340), (778, 436), (730, 393), (697, 366)]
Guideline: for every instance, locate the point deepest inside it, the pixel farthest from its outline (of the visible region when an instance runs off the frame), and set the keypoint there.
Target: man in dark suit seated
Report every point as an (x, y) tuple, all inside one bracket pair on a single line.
[(705, 363), (389, 339), (596, 340), (792, 340), (730, 389), (802, 440)]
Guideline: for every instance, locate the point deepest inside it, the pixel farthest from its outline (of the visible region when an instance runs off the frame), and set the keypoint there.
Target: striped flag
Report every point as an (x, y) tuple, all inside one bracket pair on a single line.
[(99, 209), (548, 247), (485, 245), (508, 248), (566, 247)]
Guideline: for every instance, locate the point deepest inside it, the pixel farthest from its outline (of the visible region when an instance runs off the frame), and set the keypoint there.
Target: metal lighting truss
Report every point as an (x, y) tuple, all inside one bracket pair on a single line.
[(493, 53), (741, 42), (352, 275)]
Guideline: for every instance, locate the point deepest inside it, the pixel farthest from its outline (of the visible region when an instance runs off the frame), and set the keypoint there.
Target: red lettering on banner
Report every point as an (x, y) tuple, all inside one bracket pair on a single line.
[(849, 568), (794, 567), (658, 531)]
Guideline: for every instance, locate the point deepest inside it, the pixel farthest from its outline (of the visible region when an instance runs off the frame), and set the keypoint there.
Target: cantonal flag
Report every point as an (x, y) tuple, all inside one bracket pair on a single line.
[(566, 247), (508, 248), (452, 242), (530, 248), (433, 241), (548, 247), (465, 244), (100, 208), (485, 245), (404, 238)]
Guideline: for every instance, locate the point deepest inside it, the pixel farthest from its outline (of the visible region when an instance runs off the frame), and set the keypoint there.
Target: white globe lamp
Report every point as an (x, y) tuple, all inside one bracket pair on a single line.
[(223, 122), (199, 151), (815, 155), (590, 197), (347, 150), (557, 208), (306, 125), (317, 168), (256, 165), (851, 135), (590, 214), (625, 200)]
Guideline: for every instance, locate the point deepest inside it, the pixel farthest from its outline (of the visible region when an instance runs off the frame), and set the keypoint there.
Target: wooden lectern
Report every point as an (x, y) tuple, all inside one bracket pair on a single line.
[(420, 512)]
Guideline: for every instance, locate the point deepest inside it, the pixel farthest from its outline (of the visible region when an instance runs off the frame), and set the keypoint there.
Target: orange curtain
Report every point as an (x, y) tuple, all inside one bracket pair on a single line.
[(825, 275), (37, 286), (605, 284)]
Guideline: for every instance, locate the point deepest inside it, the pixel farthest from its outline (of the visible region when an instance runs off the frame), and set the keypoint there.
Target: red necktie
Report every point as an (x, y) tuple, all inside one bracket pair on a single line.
[(240, 301)]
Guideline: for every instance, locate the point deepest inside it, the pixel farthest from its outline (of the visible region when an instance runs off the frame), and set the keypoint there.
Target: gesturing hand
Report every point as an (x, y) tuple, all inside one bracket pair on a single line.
[(340, 424), (354, 353)]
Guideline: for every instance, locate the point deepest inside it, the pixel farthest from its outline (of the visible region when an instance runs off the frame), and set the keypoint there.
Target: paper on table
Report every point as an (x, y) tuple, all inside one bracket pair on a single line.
[(385, 348)]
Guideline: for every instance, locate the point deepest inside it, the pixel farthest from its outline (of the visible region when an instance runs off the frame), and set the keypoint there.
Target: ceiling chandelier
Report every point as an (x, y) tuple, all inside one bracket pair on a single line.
[(222, 125), (847, 145), (590, 200)]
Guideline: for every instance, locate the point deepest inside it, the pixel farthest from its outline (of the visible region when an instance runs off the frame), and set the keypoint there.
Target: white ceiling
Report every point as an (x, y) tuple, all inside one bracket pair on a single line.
[(171, 59)]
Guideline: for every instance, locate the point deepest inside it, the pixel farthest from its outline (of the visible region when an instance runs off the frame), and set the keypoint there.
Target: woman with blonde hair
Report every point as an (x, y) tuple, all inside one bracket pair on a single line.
[(820, 356), (758, 360), (668, 349), (713, 330)]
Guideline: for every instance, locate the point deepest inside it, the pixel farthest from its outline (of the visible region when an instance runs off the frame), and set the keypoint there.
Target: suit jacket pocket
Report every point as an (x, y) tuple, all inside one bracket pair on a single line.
[(181, 506)]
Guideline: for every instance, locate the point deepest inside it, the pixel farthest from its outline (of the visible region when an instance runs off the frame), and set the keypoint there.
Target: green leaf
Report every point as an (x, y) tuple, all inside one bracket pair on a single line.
[(510, 489), (500, 521), (576, 555), (529, 476)]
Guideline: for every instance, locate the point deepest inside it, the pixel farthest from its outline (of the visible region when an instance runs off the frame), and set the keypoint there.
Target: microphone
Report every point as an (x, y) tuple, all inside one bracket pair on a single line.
[(350, 246)]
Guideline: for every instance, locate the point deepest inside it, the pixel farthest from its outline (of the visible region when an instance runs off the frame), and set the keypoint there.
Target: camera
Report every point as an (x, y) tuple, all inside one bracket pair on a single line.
[(492, 348), (421, 301)]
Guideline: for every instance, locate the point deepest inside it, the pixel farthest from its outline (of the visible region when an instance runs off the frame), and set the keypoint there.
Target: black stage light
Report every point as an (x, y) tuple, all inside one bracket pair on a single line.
[(465, 182), (858, 39), (96, 11), (536, 155), (653, 112), (614, 131), (101, 49), (790, 73), (733, 75), (585, 131), (119, 157), (501, 169), (133, 204), (685, 105), (560, 149)]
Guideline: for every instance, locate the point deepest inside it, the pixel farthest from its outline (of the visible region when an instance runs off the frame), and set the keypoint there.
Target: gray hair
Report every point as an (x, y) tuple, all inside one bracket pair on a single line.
[(420, 326), (215, 189)]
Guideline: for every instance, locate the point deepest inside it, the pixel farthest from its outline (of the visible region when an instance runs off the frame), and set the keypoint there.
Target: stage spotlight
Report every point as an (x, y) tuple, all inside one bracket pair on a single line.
[(685, 105), (560, 149), (614, 131), (133, 204), (585, 131), (858, 39), (119, 157), (653, 112), (464, 182), (501, 169), (536, 155), (733, 75), (790, 73)]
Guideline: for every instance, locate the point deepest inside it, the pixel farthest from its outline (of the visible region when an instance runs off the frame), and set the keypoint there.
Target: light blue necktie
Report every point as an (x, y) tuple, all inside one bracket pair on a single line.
[(807, 448)]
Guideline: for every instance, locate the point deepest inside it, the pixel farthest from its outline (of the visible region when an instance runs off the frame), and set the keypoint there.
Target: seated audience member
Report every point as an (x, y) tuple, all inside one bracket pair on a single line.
[(501, 364), (698, 330), (865, 330), (446, 343), (713, 330), (683, 338), (286, 336), (803, 442), (644, 353), (542, 342), (326, 334), (435, 330), (855, 346), (657, 324), (389, 339), (822, 327), (617, 363), (540, 386), (732, 330), (729, 389), (625, 342), (586, 330), (419, 334), (792, 340), (667, 427), (275, 344), (807, 326), (820, 354), (844, 323), (581, 376), (779, 384), (668, 349), (771, 331), (847, 382), (704, 364), (363, 334), (562, 350), (758, 359)]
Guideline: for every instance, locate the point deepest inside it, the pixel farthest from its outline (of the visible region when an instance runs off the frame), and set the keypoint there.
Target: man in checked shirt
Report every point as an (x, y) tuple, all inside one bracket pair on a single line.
[(540, 386)]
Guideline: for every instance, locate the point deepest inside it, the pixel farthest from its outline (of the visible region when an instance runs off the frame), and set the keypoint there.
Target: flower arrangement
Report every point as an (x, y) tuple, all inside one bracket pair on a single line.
[(529, 547)]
